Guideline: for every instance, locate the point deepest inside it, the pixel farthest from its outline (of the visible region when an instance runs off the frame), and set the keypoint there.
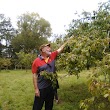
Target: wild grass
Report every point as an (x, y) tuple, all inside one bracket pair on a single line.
[(17, 92)]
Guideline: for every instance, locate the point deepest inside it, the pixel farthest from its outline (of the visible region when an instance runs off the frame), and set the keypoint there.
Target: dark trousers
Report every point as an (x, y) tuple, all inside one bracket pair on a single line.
[(47, 97)]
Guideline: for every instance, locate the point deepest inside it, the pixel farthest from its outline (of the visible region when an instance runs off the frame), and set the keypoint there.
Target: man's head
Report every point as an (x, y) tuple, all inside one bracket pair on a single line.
[(45, 48)]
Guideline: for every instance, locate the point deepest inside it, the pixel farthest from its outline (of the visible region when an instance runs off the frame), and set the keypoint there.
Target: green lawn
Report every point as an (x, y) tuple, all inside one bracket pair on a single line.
[(17, 92)]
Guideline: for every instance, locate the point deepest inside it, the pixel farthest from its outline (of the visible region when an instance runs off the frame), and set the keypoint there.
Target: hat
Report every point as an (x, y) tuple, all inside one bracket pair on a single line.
[(44, 45)]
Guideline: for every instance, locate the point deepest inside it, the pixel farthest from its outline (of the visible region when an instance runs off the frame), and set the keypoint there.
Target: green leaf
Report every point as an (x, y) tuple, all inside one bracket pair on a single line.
[(106, 95)]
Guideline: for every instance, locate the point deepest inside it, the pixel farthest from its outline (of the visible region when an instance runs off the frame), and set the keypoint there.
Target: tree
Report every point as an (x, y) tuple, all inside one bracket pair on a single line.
[(5, 63), (25, 60), (32, 32), (90, 48), (7, 32), (95, 24)]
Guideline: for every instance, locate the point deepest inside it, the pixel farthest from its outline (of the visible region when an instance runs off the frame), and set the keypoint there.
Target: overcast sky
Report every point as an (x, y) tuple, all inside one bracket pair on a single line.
[(58, 12)]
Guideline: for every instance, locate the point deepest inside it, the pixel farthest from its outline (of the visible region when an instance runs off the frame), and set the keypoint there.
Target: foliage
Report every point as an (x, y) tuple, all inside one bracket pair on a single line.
[(90, 47), (50, 76), (95, 24), (81, 53), (6, 29), (5, 63), (99, 87), (25, 60), (32, 32), (7, 32)]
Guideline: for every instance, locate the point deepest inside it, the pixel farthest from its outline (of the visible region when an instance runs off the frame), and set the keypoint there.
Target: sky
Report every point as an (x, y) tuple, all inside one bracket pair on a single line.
[(59, 13)]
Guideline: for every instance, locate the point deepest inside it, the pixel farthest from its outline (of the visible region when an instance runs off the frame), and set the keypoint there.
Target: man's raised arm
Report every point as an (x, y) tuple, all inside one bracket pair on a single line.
[(62, 47)]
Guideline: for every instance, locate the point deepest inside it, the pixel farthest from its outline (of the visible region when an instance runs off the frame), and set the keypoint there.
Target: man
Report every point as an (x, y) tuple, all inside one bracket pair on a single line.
[(43, 88)]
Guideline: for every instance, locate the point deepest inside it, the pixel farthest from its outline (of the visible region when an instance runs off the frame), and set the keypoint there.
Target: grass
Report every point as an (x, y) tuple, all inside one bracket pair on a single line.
[(17, 92)]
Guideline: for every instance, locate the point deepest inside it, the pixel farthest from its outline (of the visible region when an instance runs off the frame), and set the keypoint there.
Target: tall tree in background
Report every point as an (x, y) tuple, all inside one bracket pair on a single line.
[(32, 32), (7, 32)]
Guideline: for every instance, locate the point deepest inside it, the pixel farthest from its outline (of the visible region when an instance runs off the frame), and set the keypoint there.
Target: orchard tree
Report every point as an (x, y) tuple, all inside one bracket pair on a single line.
[(90, 47), (99, 87), (95, 24)]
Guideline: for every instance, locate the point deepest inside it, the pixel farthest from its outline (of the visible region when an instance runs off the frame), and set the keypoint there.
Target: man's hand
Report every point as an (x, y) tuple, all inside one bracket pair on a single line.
[(37, 93), (69, 39)]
